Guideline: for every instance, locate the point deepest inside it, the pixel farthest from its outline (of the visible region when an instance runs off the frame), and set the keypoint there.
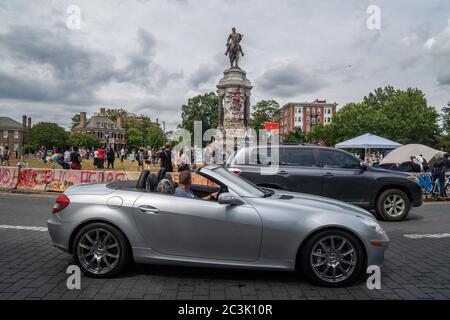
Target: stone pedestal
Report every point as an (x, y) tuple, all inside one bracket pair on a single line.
[(234, 91)]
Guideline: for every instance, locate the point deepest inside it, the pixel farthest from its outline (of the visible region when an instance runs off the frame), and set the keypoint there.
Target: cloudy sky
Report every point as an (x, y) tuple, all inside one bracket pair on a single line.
[(151, 56)]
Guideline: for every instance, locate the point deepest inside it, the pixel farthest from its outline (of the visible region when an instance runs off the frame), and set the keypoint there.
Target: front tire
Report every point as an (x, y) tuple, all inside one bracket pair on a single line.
[(332, 258), (393, 205), (100, 250)]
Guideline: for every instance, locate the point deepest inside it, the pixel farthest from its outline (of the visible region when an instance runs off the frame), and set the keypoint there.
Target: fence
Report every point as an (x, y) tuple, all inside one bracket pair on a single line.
[(58, 180)]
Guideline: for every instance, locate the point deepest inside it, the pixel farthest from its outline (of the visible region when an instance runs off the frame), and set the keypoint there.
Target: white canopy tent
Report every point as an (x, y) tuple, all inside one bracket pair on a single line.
[(404, 153), (368, 141)]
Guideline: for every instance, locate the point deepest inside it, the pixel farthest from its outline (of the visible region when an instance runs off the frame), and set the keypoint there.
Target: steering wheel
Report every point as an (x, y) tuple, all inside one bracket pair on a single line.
[(221, 189)]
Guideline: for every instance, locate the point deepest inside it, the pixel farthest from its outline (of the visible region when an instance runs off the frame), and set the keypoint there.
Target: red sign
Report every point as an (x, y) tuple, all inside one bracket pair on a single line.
[(269, 126)]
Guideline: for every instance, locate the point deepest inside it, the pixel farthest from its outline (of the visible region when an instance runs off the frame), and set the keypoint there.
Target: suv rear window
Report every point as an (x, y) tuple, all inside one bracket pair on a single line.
[(338, 159), (303, 157)]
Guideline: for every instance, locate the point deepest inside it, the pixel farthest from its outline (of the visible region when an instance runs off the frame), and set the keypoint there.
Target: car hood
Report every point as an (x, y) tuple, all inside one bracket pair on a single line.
[(390, 172), (294, 200), (89, 189)]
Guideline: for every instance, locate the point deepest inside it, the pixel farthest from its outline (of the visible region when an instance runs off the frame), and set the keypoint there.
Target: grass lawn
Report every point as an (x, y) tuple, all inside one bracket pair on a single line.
[(128, 165)]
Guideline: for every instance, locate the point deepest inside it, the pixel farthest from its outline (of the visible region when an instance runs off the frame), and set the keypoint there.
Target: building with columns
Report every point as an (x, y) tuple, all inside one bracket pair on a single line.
[(305, 115), (112, 134)]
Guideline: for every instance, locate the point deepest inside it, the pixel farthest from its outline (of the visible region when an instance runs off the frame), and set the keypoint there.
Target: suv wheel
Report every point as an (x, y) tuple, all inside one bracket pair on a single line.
[(100, 250), (332, 258), (393, 205)]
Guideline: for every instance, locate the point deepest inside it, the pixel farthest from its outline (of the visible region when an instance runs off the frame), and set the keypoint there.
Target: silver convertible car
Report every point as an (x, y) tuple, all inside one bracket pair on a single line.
[(239, 225)]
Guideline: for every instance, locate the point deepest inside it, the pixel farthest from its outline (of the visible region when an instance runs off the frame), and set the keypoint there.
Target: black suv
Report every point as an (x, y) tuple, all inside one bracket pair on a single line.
[(330, 173)]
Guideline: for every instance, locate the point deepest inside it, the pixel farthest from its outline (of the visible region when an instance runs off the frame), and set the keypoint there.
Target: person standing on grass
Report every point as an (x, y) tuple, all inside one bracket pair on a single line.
[(166, 158), (122, 155), (5, 156), (101, 158), (96, 158), (140, 159), (75, 159), (110, 157), (66, 155)]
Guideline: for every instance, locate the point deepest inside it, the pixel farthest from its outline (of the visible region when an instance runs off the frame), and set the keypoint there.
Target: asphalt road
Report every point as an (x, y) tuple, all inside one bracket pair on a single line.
[(416, 265)]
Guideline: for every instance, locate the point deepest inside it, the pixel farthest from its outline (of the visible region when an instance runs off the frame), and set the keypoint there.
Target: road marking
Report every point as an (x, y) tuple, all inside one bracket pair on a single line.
[(32, 228), (427, 235)]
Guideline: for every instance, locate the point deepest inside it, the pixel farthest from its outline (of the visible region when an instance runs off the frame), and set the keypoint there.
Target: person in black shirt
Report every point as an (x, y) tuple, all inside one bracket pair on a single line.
[(440, 168), (75, 159), (166, 158), (110, 157)]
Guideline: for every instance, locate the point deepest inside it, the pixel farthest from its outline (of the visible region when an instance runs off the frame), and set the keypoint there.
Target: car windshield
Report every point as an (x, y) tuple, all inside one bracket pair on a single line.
[(236, 182)]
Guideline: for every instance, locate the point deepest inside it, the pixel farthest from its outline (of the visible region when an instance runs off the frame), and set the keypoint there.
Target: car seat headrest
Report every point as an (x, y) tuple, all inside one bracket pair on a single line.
[(165, 186)]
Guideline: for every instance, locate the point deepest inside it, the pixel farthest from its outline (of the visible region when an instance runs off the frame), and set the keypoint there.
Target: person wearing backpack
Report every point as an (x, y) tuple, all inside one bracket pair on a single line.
[(75, 159)]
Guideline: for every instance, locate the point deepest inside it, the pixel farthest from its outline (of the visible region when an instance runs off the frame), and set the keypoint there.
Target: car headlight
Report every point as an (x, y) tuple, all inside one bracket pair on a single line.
[(373, 224)]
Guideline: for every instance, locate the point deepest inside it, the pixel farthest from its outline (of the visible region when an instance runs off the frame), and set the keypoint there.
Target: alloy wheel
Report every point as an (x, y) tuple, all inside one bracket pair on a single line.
[(98, 251), (394, 205), (333, 258)]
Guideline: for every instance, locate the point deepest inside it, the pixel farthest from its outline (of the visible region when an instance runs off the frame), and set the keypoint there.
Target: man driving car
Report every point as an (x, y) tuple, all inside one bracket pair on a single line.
[(184, 187)]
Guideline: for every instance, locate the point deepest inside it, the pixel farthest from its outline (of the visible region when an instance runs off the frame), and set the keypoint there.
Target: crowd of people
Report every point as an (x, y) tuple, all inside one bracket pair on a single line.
[(72, 158)]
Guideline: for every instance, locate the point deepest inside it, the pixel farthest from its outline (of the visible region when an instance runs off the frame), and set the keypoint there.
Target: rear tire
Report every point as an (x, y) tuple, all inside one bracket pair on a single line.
[(332, 258), (101, 250), (393, 205)]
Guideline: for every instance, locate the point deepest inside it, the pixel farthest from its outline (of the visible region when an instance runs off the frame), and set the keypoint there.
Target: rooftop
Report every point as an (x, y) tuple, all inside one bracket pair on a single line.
[(6, 122), (94, 121)]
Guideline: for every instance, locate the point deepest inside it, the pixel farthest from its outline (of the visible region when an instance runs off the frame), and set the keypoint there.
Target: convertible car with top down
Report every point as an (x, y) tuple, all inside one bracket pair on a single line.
[(232, 223)]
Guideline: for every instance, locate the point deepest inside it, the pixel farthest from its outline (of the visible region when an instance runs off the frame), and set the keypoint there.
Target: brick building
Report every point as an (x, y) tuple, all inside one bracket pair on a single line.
[(14, 134), (305, 115), (112, 134)]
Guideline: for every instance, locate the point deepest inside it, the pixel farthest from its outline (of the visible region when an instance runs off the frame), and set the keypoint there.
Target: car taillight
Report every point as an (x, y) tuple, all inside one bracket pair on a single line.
[(61, 202), (235, 171)]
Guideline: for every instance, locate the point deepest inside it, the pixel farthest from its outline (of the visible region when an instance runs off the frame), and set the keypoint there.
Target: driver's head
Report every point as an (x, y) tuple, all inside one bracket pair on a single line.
[(234, 29), (185, 179)]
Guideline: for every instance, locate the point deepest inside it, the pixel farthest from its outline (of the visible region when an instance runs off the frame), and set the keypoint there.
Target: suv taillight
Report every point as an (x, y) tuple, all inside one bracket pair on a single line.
[(235, 171), (61, 202)]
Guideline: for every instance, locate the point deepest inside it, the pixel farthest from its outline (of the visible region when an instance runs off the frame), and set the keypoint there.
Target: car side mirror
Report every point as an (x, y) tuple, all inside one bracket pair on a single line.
[(228, 198)]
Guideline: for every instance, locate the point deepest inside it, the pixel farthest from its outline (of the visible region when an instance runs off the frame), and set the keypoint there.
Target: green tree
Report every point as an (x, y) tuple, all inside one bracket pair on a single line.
[(142, 124), (134, 138), (75, 120), (400, 115), (202, 108), (264, 111), (321, 133), (85, 140), (295, 136), (47, 134), (445, 117), (156, 137), (114, 113)]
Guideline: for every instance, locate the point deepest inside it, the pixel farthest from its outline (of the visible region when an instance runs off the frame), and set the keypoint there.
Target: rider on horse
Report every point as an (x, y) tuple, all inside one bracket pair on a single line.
[(234, 47)]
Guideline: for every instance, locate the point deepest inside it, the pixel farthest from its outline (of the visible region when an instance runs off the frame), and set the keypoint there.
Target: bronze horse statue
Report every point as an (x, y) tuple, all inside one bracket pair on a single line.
[(234, 48)]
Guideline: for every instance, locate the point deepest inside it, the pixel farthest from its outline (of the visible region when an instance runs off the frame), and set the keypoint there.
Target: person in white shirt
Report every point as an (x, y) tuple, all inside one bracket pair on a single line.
[(122, 154)]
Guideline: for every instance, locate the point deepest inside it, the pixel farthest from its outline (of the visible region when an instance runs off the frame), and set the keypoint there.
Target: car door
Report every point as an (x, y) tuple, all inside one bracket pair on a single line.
[(299, 170), (254, 165), (197, 228), (344, 179)]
